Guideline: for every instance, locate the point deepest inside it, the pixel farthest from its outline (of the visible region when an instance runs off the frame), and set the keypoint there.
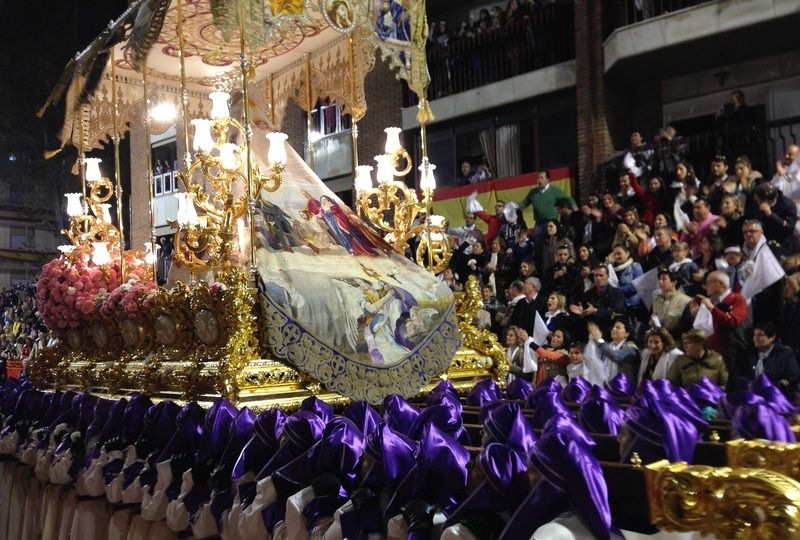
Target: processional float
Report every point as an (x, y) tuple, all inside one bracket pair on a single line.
[(284, 291)]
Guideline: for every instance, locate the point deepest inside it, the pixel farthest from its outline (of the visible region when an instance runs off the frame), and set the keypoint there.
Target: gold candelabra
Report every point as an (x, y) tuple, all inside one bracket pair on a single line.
[(397, 211), (209, 209), (90, 222)]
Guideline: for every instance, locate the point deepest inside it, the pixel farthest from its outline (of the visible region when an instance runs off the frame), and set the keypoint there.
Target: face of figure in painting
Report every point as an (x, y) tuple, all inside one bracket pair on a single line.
[(325, 203), (655, 345), (342, 13)]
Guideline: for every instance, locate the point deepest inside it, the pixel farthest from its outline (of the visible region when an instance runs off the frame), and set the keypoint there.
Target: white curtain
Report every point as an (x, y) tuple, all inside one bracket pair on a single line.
[(488, 147), (508, 151)]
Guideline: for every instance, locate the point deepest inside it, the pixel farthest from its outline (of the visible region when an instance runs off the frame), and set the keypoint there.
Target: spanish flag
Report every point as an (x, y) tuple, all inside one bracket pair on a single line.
[(450, 201)]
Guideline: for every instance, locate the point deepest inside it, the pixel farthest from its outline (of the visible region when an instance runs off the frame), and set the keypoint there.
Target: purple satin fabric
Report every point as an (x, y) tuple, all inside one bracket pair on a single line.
[(240, 432), (563, 457), (576, 390), (112, 423), (444, 388), (317, 406), (398, 414), (439, 474), (519, 389), (483, 392), (99, 417), (772, 395), (733, 400), (392, 454), (340, 451), (620, 385), (705, 393), (300, 431), (446, 416), (504, 483), (659, 431), (548, 406), (508, 425), (600, 413), (263, 444), (133, 419), (189, 424), (220, 427), (363, 415), (759, 421)]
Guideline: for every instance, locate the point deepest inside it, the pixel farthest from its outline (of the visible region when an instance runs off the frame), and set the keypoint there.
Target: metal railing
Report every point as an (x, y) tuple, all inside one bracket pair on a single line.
[(619, 13), (544, 38)]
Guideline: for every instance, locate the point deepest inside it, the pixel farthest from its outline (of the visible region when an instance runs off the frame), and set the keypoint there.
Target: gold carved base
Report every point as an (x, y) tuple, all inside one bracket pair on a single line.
[(198, 343)]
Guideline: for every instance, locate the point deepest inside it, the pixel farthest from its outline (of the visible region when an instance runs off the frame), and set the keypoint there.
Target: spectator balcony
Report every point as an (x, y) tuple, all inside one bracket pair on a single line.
[(461, 64)]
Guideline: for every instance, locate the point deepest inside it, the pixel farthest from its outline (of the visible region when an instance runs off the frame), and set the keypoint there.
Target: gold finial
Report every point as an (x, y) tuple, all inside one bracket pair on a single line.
[(636, 461)]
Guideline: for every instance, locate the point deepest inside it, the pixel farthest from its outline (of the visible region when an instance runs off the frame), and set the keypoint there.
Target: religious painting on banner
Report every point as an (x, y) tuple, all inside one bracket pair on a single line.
[(339, 302), (339, 14), (393, 27)]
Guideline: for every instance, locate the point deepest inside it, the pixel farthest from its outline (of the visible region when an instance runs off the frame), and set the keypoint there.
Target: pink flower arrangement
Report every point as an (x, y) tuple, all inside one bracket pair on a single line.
[(72, 290), (131, 297)]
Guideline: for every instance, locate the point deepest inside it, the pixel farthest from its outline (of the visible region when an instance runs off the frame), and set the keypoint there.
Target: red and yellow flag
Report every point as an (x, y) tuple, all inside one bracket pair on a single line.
[(450, 201)]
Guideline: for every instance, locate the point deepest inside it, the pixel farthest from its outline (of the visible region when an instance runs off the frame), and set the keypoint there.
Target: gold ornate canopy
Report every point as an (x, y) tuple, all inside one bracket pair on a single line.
[(300, 50)]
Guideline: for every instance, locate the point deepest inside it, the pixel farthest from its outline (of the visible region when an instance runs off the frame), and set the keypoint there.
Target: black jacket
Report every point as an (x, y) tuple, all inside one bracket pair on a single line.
[(780, 366)]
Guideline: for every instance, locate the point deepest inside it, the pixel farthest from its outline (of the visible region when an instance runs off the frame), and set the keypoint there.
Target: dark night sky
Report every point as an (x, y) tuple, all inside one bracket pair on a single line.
[(37, 40)]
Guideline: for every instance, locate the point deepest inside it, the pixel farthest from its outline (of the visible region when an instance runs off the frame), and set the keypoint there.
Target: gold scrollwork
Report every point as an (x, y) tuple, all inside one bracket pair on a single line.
[(782, 458), (484, 342), (725, 502)]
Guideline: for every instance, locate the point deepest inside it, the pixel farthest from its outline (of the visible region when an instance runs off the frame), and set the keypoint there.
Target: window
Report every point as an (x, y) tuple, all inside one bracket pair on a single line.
[(20, 238), (331, 139), (327, 118)]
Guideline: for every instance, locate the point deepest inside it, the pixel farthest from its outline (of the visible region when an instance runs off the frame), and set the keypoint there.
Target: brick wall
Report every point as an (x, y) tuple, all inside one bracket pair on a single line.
[(384, 100), (594, 136)]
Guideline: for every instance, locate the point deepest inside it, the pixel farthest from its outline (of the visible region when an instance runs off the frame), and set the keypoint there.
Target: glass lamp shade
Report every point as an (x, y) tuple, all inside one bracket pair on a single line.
[(93, 173), (363, 179), (66, 249), (277, 149), (427, 180), (202, 135), (227, 156), (100, 254), (187, 215), (219, 105), (437, 221), (150, 254), (105, 212), (74, 206), (384, 174), (392, 140), (163, 112)]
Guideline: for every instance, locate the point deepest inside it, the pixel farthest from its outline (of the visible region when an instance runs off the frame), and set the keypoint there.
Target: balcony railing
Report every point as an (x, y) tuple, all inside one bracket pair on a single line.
[(544, 38), (619, 13)]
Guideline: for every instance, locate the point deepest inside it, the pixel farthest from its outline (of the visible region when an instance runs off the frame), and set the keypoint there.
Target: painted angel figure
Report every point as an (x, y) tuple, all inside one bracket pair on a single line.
[(393, 23), (337, 224)]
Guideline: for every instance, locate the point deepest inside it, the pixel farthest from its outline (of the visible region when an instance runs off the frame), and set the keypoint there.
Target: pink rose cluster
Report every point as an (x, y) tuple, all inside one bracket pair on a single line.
[(72, 290), (131, 297)]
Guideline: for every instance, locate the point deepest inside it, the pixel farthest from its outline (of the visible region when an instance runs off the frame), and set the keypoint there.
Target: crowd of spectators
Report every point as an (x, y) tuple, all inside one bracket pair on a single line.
[(679, 270), (24, 335)]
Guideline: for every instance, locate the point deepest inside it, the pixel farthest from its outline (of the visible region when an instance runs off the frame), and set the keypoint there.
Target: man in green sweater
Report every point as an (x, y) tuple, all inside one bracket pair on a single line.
[(543, 198)]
